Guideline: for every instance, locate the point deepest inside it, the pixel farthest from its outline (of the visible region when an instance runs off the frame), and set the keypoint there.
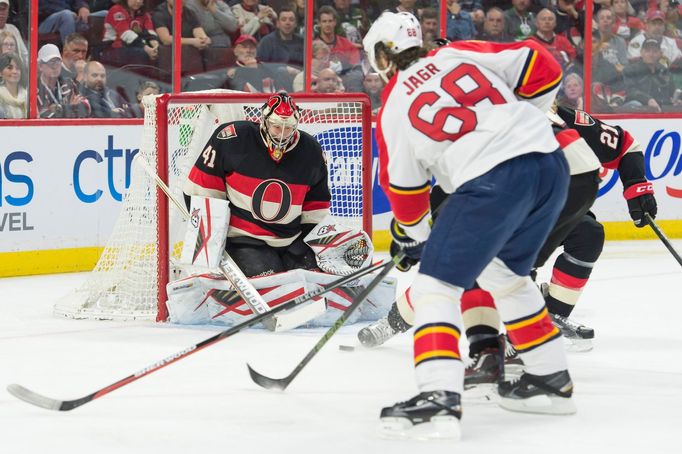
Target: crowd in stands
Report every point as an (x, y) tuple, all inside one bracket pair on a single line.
[(97, 57)]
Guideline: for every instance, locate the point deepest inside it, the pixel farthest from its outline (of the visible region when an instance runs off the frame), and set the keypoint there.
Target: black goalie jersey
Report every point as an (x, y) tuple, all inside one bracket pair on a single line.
[(269, 201)]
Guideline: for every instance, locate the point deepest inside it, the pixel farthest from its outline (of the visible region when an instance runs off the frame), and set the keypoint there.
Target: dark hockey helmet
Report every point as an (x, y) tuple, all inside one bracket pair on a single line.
[(279, 124)]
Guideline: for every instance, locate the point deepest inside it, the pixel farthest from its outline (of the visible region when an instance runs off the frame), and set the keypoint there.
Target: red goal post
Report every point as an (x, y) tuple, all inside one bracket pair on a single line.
[(129, 281)]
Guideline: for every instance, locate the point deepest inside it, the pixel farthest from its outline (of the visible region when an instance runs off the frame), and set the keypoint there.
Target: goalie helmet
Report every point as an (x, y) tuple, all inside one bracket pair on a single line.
[(339, 249), (397, 32), (279, 124)]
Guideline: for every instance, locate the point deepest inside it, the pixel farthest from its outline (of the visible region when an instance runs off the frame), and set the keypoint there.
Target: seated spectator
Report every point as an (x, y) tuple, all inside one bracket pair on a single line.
[(148, 87), (192, 34), (572, 92), (569, 21), (342, 50), (217, 20), (562, 50), (104, 102), (255, 19), (459, 23), (57, 98), (372, 85), (493, 27), (73, 57), (8, 43), (5, 27), (478, 18), (352, 21), (283, 45), (430, 27), (129, 35), (250, 75), (655, 28), (518, 19), (625, 25), (320, 61), (327, 82), (609, 57), (649, 84), (13, 96), (470, 5), (63, 16)]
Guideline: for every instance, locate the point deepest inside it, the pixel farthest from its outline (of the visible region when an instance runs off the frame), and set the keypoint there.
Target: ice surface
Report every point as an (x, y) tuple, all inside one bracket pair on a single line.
[(628, 389)]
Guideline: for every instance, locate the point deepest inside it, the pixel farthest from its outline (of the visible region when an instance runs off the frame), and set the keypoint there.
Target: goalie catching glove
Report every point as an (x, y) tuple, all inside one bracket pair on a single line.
[(401, 241), (339, 249), (640, 198)]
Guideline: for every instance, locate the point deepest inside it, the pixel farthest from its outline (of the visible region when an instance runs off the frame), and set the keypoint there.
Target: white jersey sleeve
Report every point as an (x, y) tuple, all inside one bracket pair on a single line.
[(457, 113)]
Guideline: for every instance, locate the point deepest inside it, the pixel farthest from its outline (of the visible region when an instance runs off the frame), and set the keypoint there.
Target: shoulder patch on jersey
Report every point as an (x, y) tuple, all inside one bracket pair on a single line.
[(583, 119), (227, 132), (119, 16)]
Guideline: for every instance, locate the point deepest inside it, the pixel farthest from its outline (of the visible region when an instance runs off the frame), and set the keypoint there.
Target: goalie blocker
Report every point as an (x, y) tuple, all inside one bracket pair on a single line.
[(206, 297)]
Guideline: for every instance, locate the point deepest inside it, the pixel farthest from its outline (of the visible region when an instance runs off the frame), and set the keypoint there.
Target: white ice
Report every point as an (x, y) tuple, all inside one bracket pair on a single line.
[(628, 389)]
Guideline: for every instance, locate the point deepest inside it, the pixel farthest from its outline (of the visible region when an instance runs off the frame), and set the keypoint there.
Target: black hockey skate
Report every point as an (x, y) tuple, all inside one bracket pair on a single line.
[(547, 394), (513, 364), (428, 415), (486, 368), (579, 336), (379, 332)]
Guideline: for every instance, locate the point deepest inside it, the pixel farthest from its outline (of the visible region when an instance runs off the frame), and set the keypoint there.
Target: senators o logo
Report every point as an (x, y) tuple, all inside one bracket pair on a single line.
[(258, 200)]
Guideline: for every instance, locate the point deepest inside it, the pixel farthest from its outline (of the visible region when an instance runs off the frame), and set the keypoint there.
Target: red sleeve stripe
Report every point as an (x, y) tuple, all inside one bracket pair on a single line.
[(477, 298), (566, 137), (206, 181)]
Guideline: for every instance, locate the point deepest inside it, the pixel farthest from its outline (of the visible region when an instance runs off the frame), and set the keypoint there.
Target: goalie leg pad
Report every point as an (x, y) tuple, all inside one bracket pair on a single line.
[(187, 302), (206, 232)]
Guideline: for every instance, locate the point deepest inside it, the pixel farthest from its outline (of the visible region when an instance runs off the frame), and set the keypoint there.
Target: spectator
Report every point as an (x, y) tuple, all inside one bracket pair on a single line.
[(57, 98), (493, 28), (298, 6), (560, 48), (372, 85), (63, 16), (5, 27), (104, 102), (327, 82), (654, 28), (352, 21), (569, 21), (459, 23), (609, 57), (255, 19), (572, 92), (13, 97), (625, 25), (217, 20), (73, 57), (478, 17), (283, 45), (470, 5), (8, 43), (520, 22), (129, 35), (192, 34), (341, 49), (249, 75), (430, 27), (407, 6), (649, 83), (319, 62), (148, 87), (99, 8)]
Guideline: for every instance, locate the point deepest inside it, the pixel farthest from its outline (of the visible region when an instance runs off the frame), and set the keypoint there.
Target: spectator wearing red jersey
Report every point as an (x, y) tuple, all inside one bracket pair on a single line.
[(342, 50), (560, 48), (129, 32), (625, 25)]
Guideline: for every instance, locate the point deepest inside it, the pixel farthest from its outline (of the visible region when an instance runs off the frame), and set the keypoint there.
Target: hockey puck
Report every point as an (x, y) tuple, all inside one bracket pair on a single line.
[(346, 348)]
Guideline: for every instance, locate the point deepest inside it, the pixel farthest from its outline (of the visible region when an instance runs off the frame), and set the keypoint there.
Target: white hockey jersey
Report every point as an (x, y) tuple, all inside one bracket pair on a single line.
[(459, 112)]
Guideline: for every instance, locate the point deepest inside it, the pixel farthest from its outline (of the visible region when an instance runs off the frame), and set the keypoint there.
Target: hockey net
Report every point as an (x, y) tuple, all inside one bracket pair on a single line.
[(129, 280)]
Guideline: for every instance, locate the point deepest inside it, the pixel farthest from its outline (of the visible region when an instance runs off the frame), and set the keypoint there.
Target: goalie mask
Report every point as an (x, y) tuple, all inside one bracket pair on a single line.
[(279, 123), (339, 249), (391, 33)]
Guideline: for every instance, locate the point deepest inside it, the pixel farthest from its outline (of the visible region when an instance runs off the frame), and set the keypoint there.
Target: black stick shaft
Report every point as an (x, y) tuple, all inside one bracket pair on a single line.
[(663, 238)]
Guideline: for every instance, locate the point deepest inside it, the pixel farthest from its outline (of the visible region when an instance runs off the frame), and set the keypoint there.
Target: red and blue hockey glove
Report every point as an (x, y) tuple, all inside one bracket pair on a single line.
[(401, 241), (640, 198)]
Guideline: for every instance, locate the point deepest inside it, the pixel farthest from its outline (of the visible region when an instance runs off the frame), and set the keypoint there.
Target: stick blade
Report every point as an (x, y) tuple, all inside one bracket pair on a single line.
[(267, 382), (34, 398)]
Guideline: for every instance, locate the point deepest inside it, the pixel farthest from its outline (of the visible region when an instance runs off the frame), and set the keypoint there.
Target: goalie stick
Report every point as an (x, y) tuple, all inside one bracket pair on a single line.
[(39, 400), (282, 383), (227, 267), (663, 238)]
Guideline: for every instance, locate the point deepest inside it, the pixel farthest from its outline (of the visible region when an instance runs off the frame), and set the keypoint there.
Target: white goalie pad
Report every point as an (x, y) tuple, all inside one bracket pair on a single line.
[(206, 232), (339, 249), (210, 299)]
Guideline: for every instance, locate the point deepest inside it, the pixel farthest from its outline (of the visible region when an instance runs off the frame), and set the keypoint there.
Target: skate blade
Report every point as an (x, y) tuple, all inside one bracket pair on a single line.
[(578, 345), (439, 428), (546, 405), (481, 394)]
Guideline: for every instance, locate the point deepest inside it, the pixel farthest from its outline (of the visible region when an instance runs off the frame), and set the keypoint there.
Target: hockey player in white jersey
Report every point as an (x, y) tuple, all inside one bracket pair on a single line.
[(452, 114)]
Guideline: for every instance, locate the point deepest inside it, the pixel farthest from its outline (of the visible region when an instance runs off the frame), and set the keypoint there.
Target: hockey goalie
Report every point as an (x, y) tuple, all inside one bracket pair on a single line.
[(260, 191)]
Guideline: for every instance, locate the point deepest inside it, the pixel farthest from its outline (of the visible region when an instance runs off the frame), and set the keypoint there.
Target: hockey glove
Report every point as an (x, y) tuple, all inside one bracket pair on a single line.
[(640, 198), (413, 249)]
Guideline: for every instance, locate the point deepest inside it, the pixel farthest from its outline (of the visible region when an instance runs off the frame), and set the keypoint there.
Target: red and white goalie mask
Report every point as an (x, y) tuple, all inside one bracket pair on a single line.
[(279, 124)]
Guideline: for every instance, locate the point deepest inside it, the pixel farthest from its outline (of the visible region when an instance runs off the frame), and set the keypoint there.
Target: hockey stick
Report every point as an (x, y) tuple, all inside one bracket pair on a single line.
[(39, 400), (282, 383), (663, 238), (227, 266)]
